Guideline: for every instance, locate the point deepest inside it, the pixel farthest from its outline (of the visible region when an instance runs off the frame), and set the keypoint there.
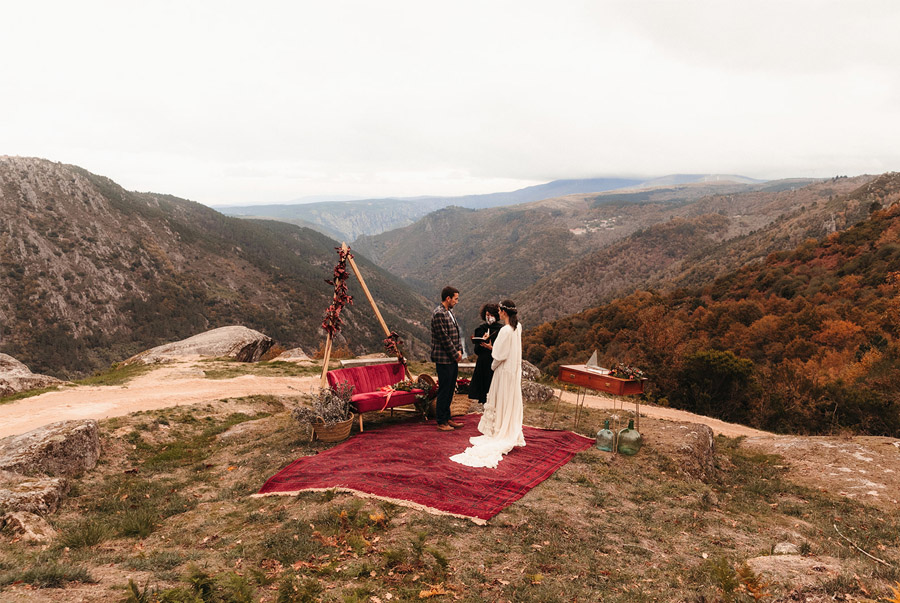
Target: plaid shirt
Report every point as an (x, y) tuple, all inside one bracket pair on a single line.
[(445, 343)]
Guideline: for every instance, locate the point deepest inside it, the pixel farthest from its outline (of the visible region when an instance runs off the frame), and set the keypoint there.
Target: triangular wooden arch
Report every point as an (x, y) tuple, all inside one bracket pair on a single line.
[(387, 332)]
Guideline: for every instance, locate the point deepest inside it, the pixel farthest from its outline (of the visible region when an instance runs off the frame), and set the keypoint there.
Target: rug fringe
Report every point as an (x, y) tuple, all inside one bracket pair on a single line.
[(396, 501)]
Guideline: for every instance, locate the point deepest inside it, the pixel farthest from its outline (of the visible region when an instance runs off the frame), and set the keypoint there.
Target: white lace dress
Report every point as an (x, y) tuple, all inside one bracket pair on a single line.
[(501, 422)]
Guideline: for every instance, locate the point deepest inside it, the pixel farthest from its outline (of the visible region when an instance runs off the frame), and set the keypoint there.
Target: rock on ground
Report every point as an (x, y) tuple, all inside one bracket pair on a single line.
[(38, 495), (535, 393), (529, 371), (66, 448), (240, 343), (15, 377), (796, 570), (27, 526), (293, 355), (692, 447)]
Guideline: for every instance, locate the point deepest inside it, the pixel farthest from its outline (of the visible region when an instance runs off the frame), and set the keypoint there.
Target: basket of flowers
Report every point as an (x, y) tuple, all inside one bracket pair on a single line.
[(328, 413)]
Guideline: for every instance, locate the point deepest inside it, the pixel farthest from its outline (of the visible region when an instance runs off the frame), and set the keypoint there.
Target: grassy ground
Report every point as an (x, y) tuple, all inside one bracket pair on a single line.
[(229, 370), (166, 516)]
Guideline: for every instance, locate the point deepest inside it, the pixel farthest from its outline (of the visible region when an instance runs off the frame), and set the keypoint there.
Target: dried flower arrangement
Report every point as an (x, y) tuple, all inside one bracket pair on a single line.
[(329, 406)]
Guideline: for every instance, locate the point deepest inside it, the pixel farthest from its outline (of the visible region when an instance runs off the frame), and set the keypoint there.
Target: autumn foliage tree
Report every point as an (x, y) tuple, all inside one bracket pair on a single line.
[(805, 342)]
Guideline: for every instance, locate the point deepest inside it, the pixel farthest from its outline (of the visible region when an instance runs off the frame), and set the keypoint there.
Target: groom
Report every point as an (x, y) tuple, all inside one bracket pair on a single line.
[(446, 352)]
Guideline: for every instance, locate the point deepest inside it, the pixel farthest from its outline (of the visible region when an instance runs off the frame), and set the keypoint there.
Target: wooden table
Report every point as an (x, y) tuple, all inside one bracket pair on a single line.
[(580, 375)]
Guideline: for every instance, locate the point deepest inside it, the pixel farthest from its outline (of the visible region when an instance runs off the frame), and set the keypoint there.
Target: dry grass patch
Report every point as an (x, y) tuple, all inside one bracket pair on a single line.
[(169, 505)]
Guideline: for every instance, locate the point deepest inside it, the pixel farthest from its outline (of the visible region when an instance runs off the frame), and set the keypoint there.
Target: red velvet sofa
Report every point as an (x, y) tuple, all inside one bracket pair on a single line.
[(368, 381)]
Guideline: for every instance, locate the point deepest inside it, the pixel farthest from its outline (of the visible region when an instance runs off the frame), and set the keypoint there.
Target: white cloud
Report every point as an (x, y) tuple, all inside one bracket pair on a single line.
[(225, 102)]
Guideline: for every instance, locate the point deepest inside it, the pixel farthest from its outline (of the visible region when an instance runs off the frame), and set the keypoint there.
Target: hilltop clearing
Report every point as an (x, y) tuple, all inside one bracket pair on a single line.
[(861, 467), (168, 510)]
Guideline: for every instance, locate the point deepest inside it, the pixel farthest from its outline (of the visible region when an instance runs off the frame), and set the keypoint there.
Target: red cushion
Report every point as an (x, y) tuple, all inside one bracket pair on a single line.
[(375, 400), (366, 379)]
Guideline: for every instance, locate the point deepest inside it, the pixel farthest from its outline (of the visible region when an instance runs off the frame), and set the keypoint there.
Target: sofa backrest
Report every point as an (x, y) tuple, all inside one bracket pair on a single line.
[(367, 378)]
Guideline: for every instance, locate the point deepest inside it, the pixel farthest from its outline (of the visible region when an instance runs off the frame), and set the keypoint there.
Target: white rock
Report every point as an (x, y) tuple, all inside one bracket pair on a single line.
[(28, 526), (66, 448), (786, 548), (237, 342), (15, 377), (294, 355), (38, 495)]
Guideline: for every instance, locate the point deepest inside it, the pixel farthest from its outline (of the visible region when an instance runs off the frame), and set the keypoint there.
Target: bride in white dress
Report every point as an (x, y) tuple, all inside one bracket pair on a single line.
[(501, 422)]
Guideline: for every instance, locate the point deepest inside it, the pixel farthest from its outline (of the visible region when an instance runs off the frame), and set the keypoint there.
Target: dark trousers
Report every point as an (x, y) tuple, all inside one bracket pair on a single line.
[(446, 374)]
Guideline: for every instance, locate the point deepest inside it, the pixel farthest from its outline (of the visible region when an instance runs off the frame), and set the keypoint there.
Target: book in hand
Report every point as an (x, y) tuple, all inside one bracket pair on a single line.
[(482, 338)]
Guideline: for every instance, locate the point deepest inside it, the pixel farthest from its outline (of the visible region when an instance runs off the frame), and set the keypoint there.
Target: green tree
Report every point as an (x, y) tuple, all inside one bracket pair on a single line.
[(714, 383)]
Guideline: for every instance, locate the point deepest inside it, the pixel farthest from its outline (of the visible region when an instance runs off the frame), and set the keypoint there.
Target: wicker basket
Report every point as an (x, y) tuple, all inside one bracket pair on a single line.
[(460, 405), (336, 432)]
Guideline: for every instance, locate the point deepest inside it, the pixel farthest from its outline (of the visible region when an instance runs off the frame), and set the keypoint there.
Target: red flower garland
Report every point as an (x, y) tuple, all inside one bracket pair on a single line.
[(392, 345), (333, 321)]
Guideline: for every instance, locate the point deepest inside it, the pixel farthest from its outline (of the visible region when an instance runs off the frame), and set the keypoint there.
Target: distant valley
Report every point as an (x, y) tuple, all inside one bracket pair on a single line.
[(560, 256), (349, 220)]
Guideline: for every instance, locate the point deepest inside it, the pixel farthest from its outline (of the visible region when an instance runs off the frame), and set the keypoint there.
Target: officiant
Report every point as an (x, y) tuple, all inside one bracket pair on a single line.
[(483, 341)]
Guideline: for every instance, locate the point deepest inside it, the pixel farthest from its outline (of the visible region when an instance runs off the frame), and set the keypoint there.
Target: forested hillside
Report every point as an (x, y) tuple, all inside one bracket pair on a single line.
[(499, 252), (91, 273), (805, 341), (705, 239)]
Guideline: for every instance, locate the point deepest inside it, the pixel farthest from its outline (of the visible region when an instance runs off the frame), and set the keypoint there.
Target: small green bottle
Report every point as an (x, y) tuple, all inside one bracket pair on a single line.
[(630, 439), (606, 438)]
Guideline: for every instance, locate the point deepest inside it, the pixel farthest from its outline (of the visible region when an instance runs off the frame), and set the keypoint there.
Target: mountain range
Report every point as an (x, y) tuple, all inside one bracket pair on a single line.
[(348, 220), (91, 274), (559, 256)]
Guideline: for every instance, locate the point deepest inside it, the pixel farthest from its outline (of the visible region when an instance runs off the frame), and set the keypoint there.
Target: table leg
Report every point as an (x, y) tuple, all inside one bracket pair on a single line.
[(579, 404), (558, 400)]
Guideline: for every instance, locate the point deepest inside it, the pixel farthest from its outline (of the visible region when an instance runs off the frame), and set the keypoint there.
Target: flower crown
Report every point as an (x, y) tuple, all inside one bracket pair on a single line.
[(507, 309)]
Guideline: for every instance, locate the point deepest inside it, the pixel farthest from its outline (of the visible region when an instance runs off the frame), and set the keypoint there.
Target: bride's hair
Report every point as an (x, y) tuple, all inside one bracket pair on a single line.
[(509, 306)]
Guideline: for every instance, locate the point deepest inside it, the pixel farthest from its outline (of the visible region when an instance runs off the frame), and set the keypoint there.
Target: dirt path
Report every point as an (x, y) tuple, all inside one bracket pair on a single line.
[(731, 430), (184, 383), (170, 385)]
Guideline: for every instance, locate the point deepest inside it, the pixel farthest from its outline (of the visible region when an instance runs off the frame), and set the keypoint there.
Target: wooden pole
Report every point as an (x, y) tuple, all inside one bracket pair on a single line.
[(371, 299), (327, 357), (365, 289)]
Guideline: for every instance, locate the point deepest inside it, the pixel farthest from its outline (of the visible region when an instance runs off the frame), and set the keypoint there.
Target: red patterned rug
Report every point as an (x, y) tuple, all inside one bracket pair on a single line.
[(409, 464)]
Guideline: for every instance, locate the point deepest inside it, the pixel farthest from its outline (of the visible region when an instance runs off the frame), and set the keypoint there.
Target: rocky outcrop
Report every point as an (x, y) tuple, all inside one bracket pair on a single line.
[(236, 342), (38, 495), (15, 377), (27, 527), (797, 570), (529, 371), (34, 468), (294, 355), (535, 393), (66, 448), (532, 392), (692, 448)]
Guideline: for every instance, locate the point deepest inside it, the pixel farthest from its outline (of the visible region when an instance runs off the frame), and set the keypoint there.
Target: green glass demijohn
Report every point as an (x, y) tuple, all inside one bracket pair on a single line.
[(606, 438), (630, 439)]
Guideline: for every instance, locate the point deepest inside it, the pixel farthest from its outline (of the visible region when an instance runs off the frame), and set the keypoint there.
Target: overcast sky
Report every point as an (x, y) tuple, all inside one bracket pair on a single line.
[(269, 101)]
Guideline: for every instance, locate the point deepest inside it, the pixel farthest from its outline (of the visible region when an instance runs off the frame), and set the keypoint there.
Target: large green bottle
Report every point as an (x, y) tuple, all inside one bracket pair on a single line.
[(606, 439), (630, 439)]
